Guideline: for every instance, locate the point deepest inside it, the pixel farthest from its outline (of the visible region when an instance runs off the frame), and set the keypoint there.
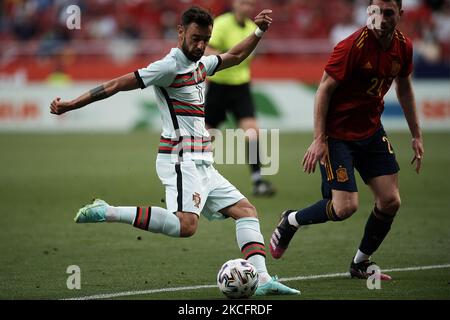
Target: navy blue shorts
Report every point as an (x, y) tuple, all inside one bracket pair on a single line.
[(372, 157)]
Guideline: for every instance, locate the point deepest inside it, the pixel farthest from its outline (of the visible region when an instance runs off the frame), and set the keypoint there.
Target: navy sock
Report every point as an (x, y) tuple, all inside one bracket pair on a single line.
[(377, 227), (319, 212)]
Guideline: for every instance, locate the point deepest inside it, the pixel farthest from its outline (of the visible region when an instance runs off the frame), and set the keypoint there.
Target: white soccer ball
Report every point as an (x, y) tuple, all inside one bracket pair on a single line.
[(237, 279)]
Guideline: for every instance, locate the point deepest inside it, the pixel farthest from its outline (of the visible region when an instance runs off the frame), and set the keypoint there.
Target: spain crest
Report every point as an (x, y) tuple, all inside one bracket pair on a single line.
[(341, 175)]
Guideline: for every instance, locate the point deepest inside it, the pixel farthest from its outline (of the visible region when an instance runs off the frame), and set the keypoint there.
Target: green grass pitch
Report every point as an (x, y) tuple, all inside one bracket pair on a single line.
[(45, 178)]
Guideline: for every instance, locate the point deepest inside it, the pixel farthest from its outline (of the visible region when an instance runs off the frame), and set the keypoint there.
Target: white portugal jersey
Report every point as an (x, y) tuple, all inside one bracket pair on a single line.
[(179, 85)]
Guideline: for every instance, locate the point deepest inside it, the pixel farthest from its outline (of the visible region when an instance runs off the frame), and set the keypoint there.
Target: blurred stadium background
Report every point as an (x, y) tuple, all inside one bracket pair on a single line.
[(38, 50), (100, 151)]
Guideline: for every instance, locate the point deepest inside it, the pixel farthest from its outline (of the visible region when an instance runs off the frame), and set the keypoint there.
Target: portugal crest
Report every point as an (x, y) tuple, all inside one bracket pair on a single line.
[(197, 199)]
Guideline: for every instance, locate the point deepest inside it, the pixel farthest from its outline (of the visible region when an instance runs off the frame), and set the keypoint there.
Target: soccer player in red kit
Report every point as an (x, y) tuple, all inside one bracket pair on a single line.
[(348, 134)]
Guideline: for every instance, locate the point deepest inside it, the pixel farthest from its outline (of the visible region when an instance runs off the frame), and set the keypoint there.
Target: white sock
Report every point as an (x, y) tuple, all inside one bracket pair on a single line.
[(120, 214), (292, 219), (250, 240), (161, 220), (259, 260), (360, 257)]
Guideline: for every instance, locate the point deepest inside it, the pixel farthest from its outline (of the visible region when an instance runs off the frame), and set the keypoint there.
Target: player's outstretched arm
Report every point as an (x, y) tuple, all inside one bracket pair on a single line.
[(124, 83), (243, 49), (317, 151), (405, 96)]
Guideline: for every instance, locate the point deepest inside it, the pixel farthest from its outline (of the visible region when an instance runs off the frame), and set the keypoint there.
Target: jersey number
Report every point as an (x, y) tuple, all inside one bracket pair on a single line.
[(376, 87), (200, 92)]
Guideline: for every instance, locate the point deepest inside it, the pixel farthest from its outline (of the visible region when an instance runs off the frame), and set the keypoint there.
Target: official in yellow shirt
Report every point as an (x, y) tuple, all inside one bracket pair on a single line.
[(229, 91)]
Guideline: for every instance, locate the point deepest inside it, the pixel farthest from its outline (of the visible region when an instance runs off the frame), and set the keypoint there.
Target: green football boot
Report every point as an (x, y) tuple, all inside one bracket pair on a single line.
[(274, 287), (95, 212)]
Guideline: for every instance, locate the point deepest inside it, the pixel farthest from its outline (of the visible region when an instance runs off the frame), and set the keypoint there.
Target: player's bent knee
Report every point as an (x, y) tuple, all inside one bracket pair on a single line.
[(249, 210), (346, 211), (245, 210), (241, 209), (188, 224), (390, 205)]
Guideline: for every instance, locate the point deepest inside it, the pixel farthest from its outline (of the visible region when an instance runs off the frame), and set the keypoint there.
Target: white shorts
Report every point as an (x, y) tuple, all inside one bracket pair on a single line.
[(197, 188)]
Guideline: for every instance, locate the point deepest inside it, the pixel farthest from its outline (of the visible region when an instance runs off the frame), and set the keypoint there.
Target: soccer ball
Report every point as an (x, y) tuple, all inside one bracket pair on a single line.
[(237, 279)]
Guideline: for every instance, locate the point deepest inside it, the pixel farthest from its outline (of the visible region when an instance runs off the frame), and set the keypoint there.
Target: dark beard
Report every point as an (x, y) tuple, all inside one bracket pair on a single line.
[(189, 55)]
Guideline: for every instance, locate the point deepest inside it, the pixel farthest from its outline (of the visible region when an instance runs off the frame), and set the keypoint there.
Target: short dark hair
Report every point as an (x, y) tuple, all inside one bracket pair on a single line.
[(198, 15), (398, 2)]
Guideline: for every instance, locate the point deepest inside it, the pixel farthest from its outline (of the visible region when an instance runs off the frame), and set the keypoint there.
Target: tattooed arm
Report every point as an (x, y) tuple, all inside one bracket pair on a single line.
[(124, 83)]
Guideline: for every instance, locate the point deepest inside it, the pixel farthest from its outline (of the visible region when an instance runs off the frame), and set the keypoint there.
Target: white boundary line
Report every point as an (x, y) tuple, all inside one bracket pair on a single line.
[(310, 277)]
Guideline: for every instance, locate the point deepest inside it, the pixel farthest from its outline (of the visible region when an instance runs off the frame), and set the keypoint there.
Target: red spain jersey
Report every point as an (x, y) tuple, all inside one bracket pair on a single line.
[(365, 73)]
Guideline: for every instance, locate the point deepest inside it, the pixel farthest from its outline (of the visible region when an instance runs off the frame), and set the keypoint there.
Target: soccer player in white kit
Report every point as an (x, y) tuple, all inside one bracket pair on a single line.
[(184, 161)]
